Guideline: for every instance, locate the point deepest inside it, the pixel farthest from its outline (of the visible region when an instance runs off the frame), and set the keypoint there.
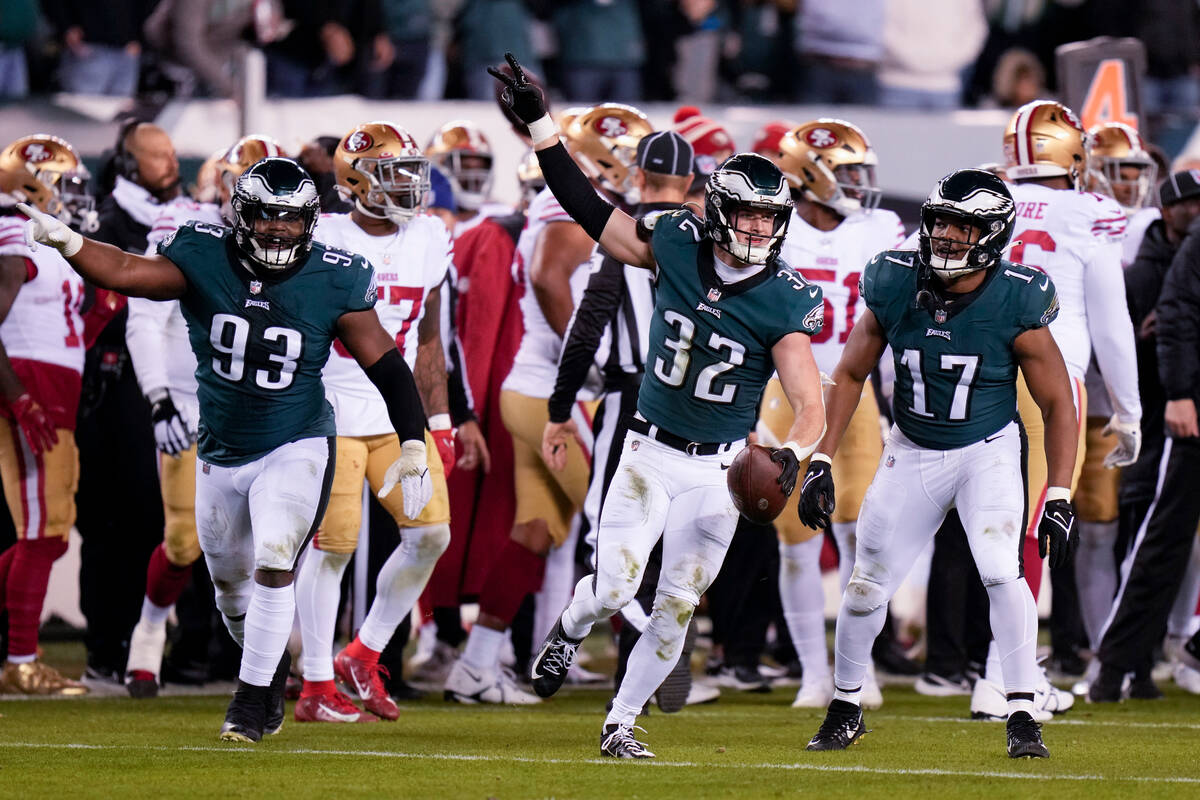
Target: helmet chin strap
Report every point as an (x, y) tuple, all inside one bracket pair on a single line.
[(398, 218)]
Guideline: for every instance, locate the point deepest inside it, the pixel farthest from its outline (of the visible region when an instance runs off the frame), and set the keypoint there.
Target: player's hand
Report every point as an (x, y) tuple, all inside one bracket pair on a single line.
[(1129, 442), (45, 229), (816, 495), (1056, 532), (556, 438), (522, 97), (791, 468), (444, 439), (1181, 418), (35, 424), (474, 447), (411, 471), (170, 431)]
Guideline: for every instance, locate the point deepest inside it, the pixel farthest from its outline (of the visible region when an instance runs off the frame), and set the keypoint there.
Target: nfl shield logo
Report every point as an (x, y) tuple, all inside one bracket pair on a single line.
[(891, 461), (255, 287), (634, 445), (939, 316), (714, 295)]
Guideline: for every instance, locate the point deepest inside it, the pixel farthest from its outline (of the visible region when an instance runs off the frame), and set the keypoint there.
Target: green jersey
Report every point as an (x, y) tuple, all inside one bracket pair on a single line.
[(261, 341), (710, 342), (956, 375)]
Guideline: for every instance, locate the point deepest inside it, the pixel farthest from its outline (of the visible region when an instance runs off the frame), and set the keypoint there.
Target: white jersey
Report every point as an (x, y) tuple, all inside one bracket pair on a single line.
[(44, 323), (835, 260), (408, 265), (1135, 232), (535, 367), (1076, 237)]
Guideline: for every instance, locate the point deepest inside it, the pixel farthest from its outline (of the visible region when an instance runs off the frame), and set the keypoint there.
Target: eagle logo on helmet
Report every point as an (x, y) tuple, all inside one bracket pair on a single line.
[(611, 126), (36, 152), (358, 142), (821, 137)]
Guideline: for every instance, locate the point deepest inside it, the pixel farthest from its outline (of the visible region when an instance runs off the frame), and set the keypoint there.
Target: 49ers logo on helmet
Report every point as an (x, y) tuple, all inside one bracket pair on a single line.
[(821, 137), (358, 141), (36, 152), (1071, 119), (611, 126)]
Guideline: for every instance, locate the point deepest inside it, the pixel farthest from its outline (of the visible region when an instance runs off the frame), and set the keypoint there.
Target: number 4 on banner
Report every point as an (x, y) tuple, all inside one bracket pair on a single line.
[(1108, 96)]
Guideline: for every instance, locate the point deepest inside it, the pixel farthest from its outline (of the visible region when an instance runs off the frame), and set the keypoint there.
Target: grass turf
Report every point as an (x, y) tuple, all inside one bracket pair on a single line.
[(744, 745)]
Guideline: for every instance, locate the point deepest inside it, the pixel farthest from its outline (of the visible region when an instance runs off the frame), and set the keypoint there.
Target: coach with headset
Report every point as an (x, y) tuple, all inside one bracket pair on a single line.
[(120, 513)]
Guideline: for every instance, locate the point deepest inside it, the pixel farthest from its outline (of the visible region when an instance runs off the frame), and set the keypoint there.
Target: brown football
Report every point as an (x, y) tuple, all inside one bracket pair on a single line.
[(753, 480)]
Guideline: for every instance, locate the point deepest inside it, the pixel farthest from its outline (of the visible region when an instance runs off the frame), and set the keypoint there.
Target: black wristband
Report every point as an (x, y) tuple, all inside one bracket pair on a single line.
[(395, 382), (573, 190)]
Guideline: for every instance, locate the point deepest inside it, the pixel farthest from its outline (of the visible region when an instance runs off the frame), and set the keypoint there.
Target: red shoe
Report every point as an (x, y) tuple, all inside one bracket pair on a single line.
[(365, 681), (333, 707)]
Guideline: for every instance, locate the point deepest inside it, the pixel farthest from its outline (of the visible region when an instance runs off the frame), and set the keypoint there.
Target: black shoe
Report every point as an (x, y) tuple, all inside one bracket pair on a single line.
[(617, 741), (745, 678), (891, 659), (843, 726), (402, 691), (246, 716), (549, 667), (1069, 664), (275, 700), (1107, 686), (672, 694), (184, 672), (1025, 737), (1144, 688)]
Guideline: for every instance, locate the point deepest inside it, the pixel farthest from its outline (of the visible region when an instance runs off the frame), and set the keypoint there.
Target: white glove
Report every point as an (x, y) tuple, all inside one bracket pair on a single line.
[(170, 431), (411, 471), (45, 229), (1129, 442)]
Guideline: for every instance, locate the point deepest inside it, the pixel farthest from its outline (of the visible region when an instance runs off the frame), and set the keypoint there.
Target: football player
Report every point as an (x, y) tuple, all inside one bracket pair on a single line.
[(727, 314), (41, 363), (463, 153), (1120, 166), (552, 259), (835, 229), (263, 303), (960, 321), (380, 165), (157, 338)]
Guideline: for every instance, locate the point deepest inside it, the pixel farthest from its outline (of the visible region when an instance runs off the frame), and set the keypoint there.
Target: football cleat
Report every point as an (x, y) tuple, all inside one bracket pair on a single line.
[(1049, 698), (814, 693), (366, 680), (34, 677), (332, 707), (989, 702), (842, 727), (469, 685), (744, 678), (277, 695), (1144, 688), (245, 717), (617, 741), (1025, 737), (701, 693), (549, 667), (146, 645), (142, 685), (931, 684), (436, 665), (1187, 678), (1107, 687)]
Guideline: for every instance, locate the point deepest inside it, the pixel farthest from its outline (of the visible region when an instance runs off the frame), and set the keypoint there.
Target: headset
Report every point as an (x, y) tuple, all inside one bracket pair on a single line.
[(124, 162)]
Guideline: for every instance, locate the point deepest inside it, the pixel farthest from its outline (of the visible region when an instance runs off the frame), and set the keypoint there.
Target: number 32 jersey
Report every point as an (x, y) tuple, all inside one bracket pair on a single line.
[(956, 378), (261, 342), (710, 342)]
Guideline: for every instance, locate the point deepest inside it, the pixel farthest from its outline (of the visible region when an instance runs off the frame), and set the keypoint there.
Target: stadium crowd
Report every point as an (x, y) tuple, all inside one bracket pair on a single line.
[(525, 345)]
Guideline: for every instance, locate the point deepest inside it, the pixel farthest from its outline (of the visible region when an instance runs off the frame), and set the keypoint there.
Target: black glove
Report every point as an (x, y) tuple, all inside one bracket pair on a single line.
[(523, 98), (791, 468), (170, 431), (816, 495), (1056, 532)]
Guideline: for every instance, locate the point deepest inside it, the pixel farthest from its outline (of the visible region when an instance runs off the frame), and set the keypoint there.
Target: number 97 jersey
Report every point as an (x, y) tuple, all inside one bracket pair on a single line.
[(261, 341)]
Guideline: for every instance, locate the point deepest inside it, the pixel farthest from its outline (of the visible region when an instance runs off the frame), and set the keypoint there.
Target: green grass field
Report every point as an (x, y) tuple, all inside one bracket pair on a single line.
[(744, 745)]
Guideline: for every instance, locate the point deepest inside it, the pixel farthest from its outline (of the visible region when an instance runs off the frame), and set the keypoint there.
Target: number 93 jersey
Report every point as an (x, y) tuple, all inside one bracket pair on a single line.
[(710, 342), (261, 342), (956, 375)]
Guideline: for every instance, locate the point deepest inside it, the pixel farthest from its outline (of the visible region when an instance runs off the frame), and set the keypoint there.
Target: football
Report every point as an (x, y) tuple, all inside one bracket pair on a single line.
[(753, 480)]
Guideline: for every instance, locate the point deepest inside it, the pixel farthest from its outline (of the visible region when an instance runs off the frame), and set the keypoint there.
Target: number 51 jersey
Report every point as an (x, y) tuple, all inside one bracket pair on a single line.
[(956, 375), (262, 341), (710, 342)]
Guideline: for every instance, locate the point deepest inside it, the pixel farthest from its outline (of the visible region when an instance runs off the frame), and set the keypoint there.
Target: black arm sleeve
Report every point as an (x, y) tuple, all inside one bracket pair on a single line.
[(1178, 326), (573, 190), (461, 407), (395, 382), (596, 309)]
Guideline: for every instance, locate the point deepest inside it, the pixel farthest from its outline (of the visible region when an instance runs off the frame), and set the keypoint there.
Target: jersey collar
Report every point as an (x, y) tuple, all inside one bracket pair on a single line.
[(711, 281)]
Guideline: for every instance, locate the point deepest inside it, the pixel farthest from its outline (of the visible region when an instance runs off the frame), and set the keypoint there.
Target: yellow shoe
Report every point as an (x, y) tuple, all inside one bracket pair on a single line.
[(34, 677)]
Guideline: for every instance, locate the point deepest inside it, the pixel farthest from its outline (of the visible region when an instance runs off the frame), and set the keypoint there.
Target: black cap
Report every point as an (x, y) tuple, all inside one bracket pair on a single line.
[(665, 152), (1179, 186)]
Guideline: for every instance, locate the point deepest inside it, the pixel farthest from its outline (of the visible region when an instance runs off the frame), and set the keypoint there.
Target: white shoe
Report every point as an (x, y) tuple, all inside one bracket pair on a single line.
[(436, 668), (702, 693), (426, 641), (1048, 697), (146, 645), (872, 698), (468, 685), (1187, 678), (815, 693), (578, 676), (989, 702)]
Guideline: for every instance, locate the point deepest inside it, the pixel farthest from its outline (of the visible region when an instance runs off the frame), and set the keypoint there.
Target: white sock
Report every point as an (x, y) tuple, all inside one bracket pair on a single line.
[(268, 626), (843, 534), (1096, 575), (318, 589), (154, 615), (401, 581), (804, 604), (853, 638), (583, 611), (1014, 628), (558, 583), (655, 653), (482, 650), (621, 714)]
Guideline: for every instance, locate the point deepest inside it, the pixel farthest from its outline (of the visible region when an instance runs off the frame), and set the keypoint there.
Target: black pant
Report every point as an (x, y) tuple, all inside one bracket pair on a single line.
[(744, 598), (1159, 560), (957, 608)]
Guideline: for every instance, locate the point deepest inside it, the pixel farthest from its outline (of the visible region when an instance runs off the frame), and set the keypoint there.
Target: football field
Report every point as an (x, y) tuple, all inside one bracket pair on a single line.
[(745, 745)]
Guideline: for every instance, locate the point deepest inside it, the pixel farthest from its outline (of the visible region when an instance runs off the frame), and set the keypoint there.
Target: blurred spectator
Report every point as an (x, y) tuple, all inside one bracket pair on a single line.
[(760, 54), (408, 24), (317, 158), (487, 29), (915, 74), (1171, 32), (330, 48), (205, 36), (601, 49), (840, 45), (698, 52), (18, 24), (102, 43), (1018, 79)]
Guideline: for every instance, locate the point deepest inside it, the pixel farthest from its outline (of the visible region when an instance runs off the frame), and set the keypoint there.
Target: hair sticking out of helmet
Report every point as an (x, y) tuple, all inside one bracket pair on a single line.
[(275, 209), (971, 198), (381, 168), (747, 207), (46, 172), (830, 162), (1120, 165), (1044, 139)]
